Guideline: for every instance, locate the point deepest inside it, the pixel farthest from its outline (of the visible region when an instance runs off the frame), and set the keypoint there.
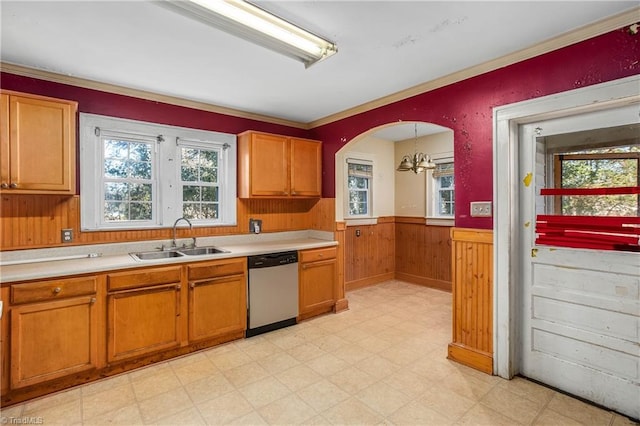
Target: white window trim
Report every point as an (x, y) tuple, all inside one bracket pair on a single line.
[(432, 217), (168, 202), (368, 219)]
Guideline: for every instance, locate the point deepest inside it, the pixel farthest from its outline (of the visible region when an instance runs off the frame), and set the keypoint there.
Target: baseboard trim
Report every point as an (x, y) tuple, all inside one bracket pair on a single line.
[(366, 282), (424, 281)]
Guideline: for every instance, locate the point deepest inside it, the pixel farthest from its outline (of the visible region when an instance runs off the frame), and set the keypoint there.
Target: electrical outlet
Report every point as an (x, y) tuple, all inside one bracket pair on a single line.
[(67, 235), (481, 209), (255, 226)]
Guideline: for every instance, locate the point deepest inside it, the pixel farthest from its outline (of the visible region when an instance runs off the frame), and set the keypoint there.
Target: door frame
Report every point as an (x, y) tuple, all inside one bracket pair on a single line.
[(507, 179)]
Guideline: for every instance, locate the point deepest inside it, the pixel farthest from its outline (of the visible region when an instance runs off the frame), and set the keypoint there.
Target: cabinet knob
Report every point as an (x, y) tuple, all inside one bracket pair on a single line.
[(57, 290), (93, 300), (13, 185), (192, 285), (4, 185)]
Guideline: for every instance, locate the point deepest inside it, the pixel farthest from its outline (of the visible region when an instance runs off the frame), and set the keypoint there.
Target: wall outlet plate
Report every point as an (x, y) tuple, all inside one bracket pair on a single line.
[(255, 226), (67, 235), (481, 209)]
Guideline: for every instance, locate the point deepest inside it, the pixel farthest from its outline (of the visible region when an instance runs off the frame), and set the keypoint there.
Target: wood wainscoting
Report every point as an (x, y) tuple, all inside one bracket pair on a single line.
[(369, 253), (472, 267), (423, 253), (35, 221)]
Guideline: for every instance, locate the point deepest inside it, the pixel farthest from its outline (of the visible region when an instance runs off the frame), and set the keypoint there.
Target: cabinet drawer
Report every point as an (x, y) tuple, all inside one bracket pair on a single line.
[(218, 268), (146, 277), (49, 290), (318, 254)]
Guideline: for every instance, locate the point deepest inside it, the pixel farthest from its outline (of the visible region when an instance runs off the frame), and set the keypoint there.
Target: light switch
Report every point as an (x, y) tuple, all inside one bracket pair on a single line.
[(481, 209)]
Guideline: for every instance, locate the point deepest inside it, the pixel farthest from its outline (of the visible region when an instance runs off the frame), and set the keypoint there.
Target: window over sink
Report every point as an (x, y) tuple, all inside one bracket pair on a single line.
[(135, 174)]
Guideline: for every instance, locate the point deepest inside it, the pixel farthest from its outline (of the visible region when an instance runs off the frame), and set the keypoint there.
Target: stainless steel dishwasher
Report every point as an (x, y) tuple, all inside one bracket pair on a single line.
[(273, 292)]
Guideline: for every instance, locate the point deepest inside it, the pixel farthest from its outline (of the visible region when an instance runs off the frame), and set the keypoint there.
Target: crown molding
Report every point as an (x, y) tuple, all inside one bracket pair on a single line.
[(127, 91), (583, 33)]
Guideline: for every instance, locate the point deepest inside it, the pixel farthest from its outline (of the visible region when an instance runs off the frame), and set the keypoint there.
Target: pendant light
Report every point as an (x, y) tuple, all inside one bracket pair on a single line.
[(419, 162)]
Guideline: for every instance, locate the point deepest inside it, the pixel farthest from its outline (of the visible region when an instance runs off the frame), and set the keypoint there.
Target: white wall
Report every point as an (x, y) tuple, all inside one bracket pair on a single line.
[(382, 153), (394, 193), (411, 189)]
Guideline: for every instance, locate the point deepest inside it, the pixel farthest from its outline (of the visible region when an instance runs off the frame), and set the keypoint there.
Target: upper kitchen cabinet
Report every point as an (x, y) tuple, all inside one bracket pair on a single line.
[(275, 166), (37, 144)]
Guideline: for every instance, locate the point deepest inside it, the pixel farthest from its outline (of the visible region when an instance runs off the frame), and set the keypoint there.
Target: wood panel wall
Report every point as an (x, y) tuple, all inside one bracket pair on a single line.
[(472, 281), (370, 257), (31, 221), (423, 253)]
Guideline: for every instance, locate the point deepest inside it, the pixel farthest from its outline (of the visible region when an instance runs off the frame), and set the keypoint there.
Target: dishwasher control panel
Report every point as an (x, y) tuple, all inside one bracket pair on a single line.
[(272, 259)]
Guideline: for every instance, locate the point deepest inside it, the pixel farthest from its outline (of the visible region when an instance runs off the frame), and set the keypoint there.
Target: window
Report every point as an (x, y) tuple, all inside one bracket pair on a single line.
[(598, 169), (444, 190), (137, 175), (359, 182), (199, 176), (441, 192)]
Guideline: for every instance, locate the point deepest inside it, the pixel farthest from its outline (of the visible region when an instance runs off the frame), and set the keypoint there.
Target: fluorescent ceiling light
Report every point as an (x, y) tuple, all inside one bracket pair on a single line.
[(245, 20)]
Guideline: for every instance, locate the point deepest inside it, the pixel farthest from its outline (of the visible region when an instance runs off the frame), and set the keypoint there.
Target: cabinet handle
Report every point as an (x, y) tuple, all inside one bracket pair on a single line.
[(13, 185), (178, 287), (4, 185), (93, 300), (192, 285), (57, 290)]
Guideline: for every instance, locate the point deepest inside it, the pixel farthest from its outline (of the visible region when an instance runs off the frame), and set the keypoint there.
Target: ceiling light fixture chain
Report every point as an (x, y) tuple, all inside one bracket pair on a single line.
[(419, 162)]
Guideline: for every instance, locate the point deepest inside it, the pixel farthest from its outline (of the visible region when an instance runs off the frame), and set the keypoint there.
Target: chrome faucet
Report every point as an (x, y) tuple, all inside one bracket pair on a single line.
[(174, 244)]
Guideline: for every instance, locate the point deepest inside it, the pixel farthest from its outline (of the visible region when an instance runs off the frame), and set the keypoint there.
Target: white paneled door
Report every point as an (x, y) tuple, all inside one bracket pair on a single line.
[(578, 310)]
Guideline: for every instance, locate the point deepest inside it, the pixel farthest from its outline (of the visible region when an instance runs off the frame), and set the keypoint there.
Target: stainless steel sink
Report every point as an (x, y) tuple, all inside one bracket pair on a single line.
[(166, 254), (154, 255), (199, 251)]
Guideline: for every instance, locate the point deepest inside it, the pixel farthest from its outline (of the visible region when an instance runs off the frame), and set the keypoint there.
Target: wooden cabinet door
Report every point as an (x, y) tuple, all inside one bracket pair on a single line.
[(143, 320), (41, 146), (217, 306), (317, 285), (306, 168), (269, 170), (53, 339)]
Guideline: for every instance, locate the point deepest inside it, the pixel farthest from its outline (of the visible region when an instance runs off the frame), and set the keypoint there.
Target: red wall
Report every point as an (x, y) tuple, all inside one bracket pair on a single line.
[(466, 107), (104, 103)]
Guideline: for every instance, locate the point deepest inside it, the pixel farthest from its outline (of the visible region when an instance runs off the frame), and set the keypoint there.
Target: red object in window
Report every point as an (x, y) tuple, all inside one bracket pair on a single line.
[(594, 232), (623, 190)]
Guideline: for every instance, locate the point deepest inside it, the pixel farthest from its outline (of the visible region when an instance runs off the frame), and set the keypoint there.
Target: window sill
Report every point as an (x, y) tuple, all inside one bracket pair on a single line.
[(361, 221), (439, 221)]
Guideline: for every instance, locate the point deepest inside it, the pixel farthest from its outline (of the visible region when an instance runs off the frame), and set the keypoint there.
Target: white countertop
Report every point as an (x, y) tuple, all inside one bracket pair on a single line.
[(22, 265)]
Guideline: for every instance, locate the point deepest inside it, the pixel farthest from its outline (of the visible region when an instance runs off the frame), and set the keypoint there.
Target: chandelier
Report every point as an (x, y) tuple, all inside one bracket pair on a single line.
[(419, 162)]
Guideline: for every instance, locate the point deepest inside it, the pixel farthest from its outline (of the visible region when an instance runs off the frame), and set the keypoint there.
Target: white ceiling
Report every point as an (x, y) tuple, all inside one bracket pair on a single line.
[(383, 47)]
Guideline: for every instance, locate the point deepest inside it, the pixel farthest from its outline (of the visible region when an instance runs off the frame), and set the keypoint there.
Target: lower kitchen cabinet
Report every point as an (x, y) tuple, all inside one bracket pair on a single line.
[(318, 277), (55, 336), (217, 298), (143, 312)]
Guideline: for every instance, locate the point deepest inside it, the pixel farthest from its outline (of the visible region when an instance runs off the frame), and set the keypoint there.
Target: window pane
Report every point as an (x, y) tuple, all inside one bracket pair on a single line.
[(208, 175), (209, 211), (116, 149), (190, 193), (115, 169), (446, 182), (139, 169), (116, 191), (139, 152), (209, 159), (140, 211), (210, 193), (116, 211), (140, 192)]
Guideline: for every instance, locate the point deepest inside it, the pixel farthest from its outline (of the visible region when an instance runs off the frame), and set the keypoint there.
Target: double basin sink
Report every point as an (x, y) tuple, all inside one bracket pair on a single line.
[(166, 254)]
